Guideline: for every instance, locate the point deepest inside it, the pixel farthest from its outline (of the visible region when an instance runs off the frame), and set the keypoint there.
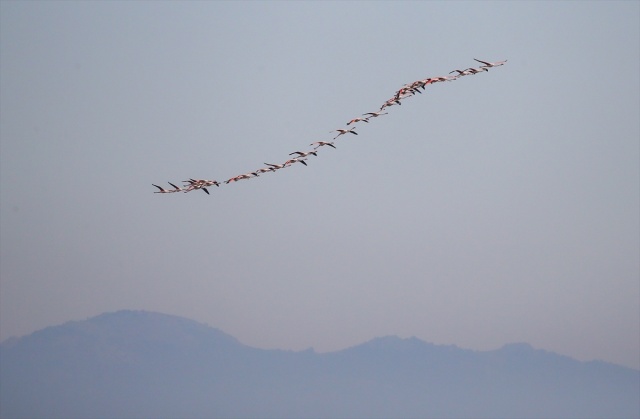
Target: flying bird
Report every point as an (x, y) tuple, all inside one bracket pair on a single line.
[(344, 131), (461, 72), (296, 160), (443, 78), (239, 177), (323, 143), (199, 184), (266, 169), (276, 166), (354, 120), (390, 102), (477, 70), (163, 190), (488, 64), (375, 114), (304, 153), (210, 183)]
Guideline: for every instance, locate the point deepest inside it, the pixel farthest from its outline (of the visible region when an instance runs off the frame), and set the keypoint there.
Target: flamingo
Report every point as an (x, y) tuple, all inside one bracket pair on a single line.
[(390, 102), (358, 120), (162, 190), (461, 72), (176, 188), (323, 143), (237, 178), (211, 183), (427, 81), (442, 78), (198, 184), (402, 91), (192, 181), (488, 64), (265, 170), (202, 182), (477, 70), (276, 166), (375, 114), (406, 91), (296, 160), (304, 153), (344, 131)]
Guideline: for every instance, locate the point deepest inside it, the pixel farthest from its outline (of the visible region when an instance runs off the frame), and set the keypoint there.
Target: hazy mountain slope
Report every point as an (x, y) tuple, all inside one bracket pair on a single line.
[(141, 364)]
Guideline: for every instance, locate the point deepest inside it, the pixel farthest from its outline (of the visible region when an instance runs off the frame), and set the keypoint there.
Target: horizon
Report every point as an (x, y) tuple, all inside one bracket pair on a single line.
[(312, 349)]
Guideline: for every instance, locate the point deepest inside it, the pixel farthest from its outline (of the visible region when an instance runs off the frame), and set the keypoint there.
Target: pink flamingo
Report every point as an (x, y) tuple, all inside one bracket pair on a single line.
[(323, 143), (344, 131), (488, 64)]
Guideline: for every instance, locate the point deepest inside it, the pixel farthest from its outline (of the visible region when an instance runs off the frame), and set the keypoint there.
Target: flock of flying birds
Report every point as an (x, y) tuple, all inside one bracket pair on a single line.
[(404, 92)]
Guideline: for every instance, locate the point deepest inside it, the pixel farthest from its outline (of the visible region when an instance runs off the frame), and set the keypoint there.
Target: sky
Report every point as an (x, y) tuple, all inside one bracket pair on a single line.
[(500, 207)]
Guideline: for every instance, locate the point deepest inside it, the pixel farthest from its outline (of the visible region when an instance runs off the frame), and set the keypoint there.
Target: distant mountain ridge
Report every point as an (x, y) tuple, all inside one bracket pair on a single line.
[(145, 364)]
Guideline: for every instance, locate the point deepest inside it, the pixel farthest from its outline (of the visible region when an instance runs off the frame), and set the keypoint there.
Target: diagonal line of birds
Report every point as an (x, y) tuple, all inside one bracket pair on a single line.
[(405, 92)]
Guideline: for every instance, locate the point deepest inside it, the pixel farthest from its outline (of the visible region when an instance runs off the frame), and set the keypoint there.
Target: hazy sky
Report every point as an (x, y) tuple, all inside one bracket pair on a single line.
[(501, 207)]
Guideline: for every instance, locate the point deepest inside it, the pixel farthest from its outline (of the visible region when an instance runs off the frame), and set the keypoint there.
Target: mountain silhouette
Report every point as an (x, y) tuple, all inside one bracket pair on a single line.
[(142, 364)]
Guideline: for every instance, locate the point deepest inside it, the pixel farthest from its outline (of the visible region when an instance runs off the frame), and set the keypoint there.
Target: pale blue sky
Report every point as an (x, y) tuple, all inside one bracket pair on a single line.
[(498, 208)]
